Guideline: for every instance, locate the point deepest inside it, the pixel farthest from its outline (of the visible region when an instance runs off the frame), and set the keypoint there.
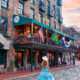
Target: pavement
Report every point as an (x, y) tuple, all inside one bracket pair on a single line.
[(18, 74)]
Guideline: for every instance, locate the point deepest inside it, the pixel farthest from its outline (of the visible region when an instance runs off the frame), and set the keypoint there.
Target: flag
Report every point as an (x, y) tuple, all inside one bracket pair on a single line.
[(41, 34), (69, 44), (63, 42), (55, 37)]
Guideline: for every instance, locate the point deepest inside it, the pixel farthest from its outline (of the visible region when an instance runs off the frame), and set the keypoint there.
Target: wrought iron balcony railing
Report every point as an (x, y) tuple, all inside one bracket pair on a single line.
[(36, 39)]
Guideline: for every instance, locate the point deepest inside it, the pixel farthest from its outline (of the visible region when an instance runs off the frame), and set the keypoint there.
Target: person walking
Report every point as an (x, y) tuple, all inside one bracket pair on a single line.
[(45, 73)]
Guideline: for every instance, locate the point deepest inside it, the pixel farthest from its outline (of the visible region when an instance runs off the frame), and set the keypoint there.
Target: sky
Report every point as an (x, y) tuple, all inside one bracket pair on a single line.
[(71, 12)]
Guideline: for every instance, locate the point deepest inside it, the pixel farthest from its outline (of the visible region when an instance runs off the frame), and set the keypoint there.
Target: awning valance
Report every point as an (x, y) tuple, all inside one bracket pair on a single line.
[(20, 20), (4, 42)]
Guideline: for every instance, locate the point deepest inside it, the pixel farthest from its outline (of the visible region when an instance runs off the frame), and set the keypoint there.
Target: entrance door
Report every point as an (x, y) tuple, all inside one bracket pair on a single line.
[(3, 57), (19, 60)]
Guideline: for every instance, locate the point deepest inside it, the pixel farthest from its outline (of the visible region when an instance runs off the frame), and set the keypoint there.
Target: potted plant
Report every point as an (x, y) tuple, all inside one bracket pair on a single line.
[(12, 67)]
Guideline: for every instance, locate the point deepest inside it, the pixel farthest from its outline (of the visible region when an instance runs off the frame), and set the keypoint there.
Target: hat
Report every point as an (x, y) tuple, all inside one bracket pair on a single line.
[(45, 58)]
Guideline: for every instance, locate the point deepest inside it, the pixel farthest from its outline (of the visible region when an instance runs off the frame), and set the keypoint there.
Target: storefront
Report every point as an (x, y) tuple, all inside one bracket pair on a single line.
[(4, 47), (29, 47)]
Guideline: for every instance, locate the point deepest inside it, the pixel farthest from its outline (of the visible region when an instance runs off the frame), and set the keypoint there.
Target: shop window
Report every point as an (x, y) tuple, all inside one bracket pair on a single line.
[(3, 27), (32, 13), (4, 4), (21, 9)]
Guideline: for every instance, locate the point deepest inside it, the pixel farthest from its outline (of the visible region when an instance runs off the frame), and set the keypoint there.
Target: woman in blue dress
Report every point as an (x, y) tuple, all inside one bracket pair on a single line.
[(45, 73)]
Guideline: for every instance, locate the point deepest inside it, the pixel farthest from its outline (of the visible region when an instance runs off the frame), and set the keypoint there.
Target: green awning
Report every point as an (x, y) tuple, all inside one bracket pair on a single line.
[(20, 20)]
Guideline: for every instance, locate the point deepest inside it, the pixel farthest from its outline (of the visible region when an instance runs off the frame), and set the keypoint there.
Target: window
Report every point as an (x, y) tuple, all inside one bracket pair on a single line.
[(59, 27), (3, 28), (21, 9), (32, 1), (32, 13), (54, 12), (40, 17), (59, 13), (49, 22), (48, 7), (4, 4), (54, 25)]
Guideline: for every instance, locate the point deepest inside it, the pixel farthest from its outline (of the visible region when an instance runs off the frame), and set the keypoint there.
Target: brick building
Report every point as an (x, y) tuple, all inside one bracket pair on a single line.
[(20, 22)]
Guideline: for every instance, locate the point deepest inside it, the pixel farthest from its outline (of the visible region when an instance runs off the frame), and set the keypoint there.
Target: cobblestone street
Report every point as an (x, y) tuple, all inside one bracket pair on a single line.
[(72, 73)]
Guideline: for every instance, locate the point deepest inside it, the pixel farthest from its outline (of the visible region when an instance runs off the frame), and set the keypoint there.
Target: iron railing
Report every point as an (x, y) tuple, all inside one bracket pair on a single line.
[(37, 39)]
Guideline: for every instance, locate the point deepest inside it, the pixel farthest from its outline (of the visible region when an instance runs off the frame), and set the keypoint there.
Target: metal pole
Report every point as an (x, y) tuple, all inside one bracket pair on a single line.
[(31, 60), (32, 28)]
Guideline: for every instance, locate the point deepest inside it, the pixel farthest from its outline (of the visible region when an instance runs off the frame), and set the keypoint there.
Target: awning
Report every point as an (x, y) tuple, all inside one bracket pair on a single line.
[(20, 20), (4, 42), (1, 45)]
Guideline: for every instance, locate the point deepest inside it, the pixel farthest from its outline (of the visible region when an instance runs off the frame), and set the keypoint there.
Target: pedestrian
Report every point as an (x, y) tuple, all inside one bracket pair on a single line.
[(45, 73)]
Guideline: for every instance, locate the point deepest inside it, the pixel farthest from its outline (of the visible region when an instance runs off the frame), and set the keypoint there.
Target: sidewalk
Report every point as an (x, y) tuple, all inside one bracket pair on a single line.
[(27, 72)]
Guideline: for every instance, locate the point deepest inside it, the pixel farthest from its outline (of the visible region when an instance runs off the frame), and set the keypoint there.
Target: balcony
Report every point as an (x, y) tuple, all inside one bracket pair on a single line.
[(41, 6), (35, 39)]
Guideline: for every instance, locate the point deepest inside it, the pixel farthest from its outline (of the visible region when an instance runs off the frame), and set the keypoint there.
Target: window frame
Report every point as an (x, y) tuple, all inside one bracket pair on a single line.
[(54, 11), (20, 8), (7, 5), (48, 7), (54, 24), (6, 20), (49, 23), (31, 13), (40, 18)]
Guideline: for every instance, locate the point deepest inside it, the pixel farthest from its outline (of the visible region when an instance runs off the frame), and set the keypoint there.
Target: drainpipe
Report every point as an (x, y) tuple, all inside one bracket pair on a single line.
[(11, 45)]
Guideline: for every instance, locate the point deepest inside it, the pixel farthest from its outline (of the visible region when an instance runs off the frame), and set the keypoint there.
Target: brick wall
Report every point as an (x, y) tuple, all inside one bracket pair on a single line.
[(27, 5)]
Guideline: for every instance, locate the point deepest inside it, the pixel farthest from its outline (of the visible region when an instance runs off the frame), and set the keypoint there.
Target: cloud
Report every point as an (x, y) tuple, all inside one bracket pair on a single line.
[(71, 12)]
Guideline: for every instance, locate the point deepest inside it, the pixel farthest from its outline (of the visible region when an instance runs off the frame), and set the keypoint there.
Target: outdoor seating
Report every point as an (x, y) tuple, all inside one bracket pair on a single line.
[(2, 69)]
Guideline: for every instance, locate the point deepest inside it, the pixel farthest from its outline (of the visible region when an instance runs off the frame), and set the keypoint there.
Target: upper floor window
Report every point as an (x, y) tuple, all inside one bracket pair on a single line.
[(21, 9), (59, 13), (3, 28), (49, 22), (54, 25), (54, 12), (32, 1), (48, 7), (59, 27), (32, 13), (40, 17), (4, 4)]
